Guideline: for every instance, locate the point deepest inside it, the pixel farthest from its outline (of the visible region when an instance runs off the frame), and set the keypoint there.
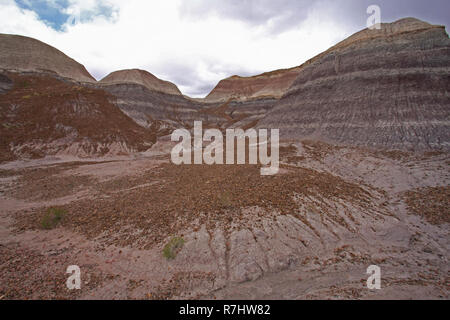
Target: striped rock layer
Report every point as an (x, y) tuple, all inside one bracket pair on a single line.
[(380, 88)]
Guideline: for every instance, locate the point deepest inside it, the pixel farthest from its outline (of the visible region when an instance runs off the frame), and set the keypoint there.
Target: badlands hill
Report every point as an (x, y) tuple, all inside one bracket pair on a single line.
[(380, 88), (18, 53), (151, 102), (43, 115), (246, 100), (50, 105), (159, 105), (267, 85), (143, 78)]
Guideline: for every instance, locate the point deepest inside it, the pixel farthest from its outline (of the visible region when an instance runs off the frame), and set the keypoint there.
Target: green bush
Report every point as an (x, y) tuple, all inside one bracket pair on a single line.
[(24, 84), (52, 217), (225, 201), (174, 246)]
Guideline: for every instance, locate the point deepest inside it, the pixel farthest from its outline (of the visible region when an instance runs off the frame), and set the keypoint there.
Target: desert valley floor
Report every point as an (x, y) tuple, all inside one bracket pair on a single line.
[(309, 232)]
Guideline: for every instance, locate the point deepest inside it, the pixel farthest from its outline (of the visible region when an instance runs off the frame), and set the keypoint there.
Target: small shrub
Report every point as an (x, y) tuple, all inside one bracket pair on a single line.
[(174, 246), (52, 217), (24, 84), (225, 201)]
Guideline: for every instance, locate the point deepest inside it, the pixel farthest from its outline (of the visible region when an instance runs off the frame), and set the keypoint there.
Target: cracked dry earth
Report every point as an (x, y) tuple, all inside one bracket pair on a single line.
[(309, 232)]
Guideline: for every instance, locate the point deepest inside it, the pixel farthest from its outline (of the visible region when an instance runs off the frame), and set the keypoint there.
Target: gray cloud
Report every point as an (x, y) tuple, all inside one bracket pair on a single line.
[(280, 14), (286, 14), (353, 12)]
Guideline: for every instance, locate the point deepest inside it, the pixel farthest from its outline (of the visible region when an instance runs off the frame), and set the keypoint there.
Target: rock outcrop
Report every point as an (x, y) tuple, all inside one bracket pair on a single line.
[(379, 88), (267, 85), (23, 54), (141, 77)]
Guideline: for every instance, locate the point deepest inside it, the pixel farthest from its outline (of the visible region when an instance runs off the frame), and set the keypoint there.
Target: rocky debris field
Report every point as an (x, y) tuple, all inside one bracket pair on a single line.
[(146, 229), (431, 202)]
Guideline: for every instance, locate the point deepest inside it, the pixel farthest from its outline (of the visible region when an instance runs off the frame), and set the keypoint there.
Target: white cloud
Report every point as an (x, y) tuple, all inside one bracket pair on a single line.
[(158, 37)]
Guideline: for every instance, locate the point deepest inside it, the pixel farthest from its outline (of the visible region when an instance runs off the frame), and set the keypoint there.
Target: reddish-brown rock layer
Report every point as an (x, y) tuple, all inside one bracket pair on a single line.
[(267, 85), (18, 53)]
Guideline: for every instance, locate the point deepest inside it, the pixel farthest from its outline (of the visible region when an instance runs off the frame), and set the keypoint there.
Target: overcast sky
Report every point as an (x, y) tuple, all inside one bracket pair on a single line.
[(196, 43)]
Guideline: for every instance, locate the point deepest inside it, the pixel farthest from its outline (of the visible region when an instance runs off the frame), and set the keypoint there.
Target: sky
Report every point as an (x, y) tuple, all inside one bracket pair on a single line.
[(196, 43)]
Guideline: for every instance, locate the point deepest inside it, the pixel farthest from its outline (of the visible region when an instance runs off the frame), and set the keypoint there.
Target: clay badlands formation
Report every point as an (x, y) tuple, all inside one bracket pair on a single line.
[(86, 177), (269, 85), (378, 88), (23, 54), (143, 78)]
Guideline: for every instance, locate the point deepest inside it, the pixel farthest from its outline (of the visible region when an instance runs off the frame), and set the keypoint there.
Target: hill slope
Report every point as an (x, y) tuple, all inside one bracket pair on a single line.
[(382, 88), (141, 77), (267, 85), (18, 53), (43, 115)]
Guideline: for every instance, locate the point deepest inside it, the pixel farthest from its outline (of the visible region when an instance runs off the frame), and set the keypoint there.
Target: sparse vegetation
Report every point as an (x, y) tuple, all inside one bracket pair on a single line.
[(24, 84), (174, 246), (52, 218), (225, 201), (8, 125)]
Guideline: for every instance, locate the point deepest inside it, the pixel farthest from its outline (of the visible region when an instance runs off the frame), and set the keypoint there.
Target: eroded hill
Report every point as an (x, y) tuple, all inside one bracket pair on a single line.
[(42, 115), (379, 88)]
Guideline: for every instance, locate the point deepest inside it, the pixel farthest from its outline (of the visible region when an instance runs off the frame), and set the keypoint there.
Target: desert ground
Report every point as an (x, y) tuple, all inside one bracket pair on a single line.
[(142, 228)]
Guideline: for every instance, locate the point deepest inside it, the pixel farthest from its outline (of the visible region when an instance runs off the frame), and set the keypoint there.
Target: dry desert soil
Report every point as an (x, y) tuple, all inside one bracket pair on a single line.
[(309, 232)]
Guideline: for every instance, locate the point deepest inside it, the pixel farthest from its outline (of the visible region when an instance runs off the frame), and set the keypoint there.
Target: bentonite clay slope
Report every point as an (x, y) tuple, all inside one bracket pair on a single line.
[(267, 85), (159, 105), (156, 109), (141, 77), (384, 88), (151, 102), (43, 115), (164, 112), (18, 53)]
